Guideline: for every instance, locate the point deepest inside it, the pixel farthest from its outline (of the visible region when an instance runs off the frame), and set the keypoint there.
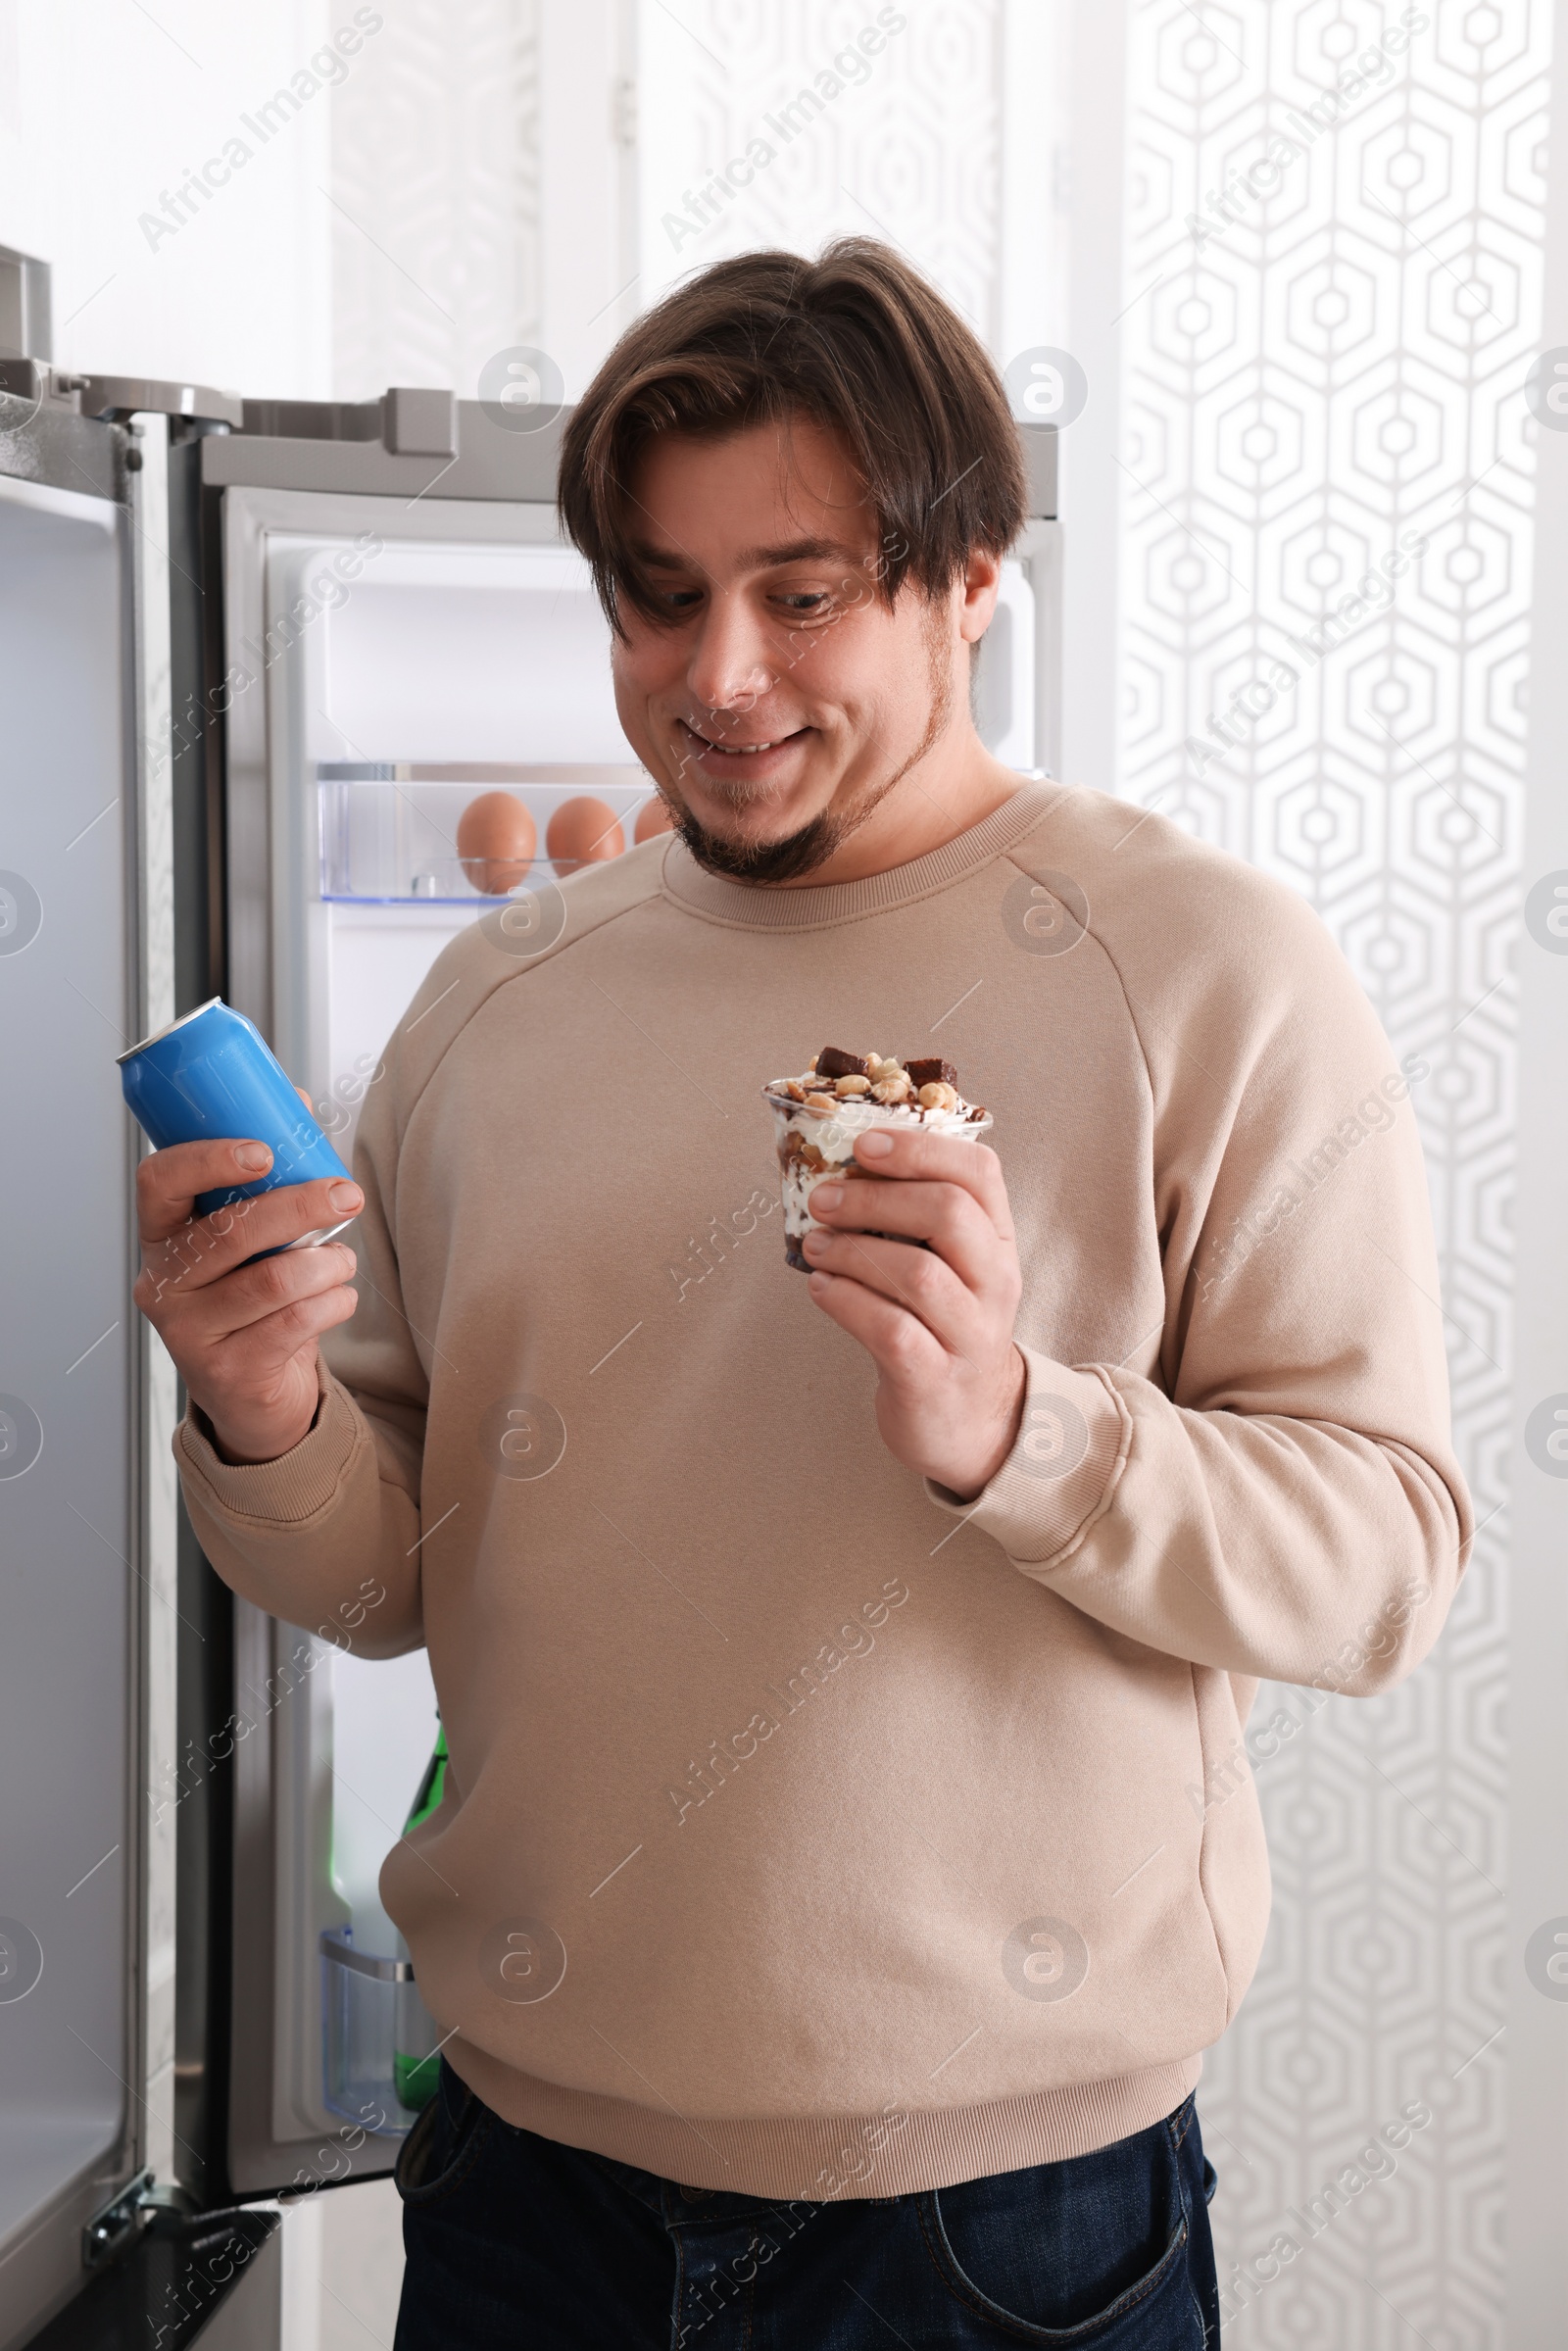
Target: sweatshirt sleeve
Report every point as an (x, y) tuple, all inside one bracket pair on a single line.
[(329, 1535), (1270, 1487)]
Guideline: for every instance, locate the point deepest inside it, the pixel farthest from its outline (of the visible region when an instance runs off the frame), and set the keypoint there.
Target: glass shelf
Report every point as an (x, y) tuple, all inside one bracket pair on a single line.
[(389, 829)]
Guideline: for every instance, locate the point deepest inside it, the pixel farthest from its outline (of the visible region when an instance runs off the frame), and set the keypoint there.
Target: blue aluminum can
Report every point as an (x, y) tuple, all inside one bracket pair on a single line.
[(212, 1074)]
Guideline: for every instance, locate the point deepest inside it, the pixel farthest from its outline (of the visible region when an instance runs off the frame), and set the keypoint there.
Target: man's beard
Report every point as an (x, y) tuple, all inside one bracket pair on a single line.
[(769, 861), (809, 849)]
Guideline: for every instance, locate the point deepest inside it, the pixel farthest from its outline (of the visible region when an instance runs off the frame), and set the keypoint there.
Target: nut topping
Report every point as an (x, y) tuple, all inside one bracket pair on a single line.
[(866, 1084)]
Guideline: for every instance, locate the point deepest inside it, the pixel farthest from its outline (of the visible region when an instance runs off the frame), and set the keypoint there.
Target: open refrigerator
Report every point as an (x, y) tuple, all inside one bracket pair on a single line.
[(371, 619)]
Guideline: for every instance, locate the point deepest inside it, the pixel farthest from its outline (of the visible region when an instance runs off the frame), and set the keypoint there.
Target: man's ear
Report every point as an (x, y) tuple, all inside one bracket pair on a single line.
[(979, 588)]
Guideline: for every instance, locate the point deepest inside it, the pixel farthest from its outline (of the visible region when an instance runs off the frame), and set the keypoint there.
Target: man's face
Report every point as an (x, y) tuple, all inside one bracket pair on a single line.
[(779, 699)]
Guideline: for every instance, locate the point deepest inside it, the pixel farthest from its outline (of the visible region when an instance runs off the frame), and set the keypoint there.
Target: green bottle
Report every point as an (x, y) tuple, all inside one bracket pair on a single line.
[(416, 2071)]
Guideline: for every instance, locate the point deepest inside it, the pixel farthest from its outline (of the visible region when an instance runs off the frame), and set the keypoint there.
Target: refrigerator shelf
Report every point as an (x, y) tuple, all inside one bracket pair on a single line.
[(379, 2053), (389, 828), (579, 773)]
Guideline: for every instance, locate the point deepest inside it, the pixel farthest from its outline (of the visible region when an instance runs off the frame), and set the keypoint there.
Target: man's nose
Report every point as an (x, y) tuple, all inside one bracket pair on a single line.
[(729, 671)]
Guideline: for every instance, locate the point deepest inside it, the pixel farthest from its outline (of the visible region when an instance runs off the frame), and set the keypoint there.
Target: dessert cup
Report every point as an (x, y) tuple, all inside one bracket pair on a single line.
[(814, 1144)]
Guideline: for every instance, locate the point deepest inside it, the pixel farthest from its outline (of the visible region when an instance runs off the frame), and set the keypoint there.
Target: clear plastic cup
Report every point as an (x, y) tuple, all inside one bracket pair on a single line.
[(814, 1144)]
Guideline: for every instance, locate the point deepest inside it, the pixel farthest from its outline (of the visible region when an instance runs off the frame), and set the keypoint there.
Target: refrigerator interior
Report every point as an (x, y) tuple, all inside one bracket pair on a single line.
[(68, 1525), (446, 674)]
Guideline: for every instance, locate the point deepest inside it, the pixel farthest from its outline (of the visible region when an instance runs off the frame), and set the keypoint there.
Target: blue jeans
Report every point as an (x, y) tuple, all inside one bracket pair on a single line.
[(514, 2240)]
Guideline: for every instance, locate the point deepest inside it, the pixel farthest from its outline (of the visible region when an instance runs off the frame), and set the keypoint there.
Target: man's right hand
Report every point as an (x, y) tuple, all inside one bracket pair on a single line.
[(243, 1336)]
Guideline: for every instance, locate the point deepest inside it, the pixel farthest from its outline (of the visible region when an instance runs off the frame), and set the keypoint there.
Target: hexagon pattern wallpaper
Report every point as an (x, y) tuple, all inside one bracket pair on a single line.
[(1333, 266), (1331, 292)]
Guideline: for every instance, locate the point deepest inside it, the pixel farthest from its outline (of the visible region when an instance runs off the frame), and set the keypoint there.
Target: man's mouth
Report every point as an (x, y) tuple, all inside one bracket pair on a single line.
[(706, 746)]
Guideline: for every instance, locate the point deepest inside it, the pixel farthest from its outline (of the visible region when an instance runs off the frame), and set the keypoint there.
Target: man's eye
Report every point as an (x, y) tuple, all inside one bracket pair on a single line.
[(681, 600), (805, 600)]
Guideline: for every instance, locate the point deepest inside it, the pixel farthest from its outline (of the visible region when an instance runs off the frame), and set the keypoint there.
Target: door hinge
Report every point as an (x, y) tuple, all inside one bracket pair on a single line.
[(118, 2224), (133, 2208), (113, 398)]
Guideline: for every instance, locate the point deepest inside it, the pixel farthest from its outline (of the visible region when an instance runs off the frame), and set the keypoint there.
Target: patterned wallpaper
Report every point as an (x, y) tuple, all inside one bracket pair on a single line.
[(902, 144), (434, 196), (1333, 259)]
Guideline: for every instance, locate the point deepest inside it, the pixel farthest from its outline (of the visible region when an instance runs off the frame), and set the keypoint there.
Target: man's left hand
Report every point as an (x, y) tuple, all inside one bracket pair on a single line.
[(937, 1322)]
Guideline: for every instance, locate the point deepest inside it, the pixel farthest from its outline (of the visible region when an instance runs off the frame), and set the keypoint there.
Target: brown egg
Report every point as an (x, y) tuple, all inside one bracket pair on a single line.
[(496, 839), (653, 817), (583, 832)]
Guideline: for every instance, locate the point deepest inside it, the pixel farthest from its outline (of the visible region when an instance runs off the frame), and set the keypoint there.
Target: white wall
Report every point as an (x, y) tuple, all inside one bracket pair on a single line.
[(103, 108)]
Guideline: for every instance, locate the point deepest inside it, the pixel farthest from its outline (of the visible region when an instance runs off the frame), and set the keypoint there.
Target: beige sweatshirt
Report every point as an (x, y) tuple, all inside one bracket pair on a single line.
[(805, 1834)]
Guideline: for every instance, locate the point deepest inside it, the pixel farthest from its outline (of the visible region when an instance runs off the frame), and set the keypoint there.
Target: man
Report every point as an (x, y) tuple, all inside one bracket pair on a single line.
[(847, 1848)]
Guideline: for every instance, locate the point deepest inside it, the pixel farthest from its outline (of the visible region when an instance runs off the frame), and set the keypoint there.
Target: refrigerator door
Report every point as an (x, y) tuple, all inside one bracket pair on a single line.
[(72, 1596), (387, 630)]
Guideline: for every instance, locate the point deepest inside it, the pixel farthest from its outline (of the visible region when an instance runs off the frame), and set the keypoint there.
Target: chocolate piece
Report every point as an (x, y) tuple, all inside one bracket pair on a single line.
[(931, 1073), (831, 1063)]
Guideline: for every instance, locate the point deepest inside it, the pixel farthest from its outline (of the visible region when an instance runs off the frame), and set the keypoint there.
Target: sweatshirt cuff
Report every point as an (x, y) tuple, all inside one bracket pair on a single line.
[(1059, 1478), (283, 1492)]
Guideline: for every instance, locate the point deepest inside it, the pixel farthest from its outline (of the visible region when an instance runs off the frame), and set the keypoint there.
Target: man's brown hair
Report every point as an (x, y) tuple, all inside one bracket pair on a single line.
[(855, 340)]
